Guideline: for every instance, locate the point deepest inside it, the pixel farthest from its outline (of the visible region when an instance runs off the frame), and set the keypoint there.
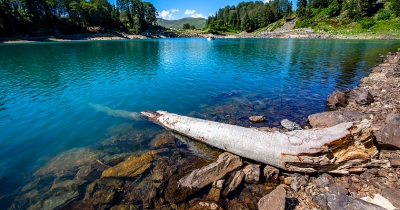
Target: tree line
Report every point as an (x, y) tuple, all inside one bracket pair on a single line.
[(248, 16), (44, 17)]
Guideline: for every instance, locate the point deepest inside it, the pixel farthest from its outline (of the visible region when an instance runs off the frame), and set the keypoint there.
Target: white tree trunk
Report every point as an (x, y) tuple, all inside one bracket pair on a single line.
[(339, 149)]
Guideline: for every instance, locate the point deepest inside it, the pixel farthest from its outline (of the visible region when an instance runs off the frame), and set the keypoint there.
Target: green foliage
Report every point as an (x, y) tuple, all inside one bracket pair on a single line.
[(42, 17), (395, 7), (186, 26), (384, 15), (302, 8), (248, 16), (199, 23), (367, 23)]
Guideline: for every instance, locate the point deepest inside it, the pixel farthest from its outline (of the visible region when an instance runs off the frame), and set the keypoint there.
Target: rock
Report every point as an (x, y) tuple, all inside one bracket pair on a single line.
[(390, 133), (143, 191), (269, 171), (338, 188), (61, 194), (161, 140), (205, 205), (248, 198), (320, 199), (337, 201), (290, 126), (234, 182), (336, 99), (288, 180), (323, 180), (251, 174), (380, 201), (133, 166), (125, 207), (274, 200), (393, 195), (329, 119), (257, 119), (67, 163), (215, 192), (199, 178), (394, 162), (298, 181), (102, 191), (361, 96)]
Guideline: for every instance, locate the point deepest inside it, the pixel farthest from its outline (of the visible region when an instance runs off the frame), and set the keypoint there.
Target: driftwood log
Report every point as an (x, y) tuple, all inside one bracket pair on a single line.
[(347, 147)]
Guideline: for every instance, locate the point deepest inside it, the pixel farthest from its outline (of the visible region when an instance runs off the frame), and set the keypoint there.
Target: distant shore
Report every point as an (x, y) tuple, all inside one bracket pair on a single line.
[(298, 33)]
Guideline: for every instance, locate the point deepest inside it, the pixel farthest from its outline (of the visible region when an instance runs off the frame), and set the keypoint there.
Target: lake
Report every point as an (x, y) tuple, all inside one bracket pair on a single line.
[(58, 96)]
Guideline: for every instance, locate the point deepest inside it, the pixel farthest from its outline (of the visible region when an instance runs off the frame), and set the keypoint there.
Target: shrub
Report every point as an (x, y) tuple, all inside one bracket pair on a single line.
[(367, 23), (384, 15)]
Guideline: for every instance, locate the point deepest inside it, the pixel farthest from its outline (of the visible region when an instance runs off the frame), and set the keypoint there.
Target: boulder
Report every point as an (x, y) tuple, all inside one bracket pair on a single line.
[(361, 96), (393, 195), (390, 133), (161, 140), (336, 99), (233, 182), (274, 200), (257, 119), (251, 174), (204, 176), (329, 119)]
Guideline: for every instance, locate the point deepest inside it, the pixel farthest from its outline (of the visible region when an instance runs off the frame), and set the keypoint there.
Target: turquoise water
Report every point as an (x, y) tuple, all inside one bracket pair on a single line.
[(53, 96)]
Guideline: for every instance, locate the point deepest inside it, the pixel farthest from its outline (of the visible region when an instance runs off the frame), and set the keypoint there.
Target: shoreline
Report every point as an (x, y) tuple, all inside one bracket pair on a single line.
[(289, 34), (158, 191)]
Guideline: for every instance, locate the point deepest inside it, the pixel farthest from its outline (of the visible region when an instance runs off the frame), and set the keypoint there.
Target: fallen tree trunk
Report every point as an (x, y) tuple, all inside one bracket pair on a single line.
[(339, 149)]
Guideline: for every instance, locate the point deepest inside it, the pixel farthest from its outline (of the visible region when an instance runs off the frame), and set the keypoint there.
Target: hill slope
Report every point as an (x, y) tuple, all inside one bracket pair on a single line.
[(199, 23)]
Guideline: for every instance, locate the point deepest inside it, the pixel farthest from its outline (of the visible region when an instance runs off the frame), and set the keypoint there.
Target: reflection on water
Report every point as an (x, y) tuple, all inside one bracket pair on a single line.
[(84, 97)]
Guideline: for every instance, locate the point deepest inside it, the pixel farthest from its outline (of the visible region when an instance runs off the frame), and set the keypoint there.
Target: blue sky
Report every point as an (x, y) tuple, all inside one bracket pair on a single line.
[(177, 9)]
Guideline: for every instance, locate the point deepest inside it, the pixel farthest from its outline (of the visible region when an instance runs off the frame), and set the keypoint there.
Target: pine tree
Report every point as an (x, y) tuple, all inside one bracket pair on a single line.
[(301, 8), (395, 7)]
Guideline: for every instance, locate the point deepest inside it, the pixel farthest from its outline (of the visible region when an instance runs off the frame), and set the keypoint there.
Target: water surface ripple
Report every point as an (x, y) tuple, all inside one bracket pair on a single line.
[(47, 89)]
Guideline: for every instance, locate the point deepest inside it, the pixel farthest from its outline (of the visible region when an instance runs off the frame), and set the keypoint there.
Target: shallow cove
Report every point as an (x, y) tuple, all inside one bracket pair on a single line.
[(51, 94)]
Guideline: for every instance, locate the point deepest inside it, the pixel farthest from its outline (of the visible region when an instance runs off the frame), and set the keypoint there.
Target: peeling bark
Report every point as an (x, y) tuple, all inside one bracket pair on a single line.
[(339, 149)]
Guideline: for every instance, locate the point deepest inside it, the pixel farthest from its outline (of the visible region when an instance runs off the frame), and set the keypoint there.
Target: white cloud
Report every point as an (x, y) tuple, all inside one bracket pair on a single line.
[(165, 14), (197, 16), (174, 10), (266, 1), (190, 12)]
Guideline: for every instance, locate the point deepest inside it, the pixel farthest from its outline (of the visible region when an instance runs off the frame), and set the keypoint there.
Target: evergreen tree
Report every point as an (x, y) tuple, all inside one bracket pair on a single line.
[(302, 8), (395, 7)]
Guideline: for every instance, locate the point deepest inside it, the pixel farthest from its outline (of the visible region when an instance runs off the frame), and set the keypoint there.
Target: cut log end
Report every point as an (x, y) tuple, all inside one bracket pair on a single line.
[(341, 156)]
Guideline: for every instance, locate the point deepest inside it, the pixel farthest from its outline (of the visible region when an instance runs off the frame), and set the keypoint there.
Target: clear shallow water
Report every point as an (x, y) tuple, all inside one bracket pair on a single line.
[(49, 91)]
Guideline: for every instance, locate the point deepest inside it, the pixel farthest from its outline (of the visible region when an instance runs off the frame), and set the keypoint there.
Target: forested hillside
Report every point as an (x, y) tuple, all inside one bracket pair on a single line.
[(198, 23), (43, 17), (326, 15)]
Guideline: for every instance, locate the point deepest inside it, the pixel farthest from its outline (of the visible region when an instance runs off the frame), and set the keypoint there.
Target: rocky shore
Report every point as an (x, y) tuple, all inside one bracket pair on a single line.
[(178, 173)]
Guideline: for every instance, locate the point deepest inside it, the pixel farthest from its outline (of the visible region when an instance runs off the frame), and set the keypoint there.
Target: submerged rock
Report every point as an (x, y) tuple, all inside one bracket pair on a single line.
[(161, 140), (274, 200), (199, 178), (329, 119), (68, 163), (133, 166), (257, 119)]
